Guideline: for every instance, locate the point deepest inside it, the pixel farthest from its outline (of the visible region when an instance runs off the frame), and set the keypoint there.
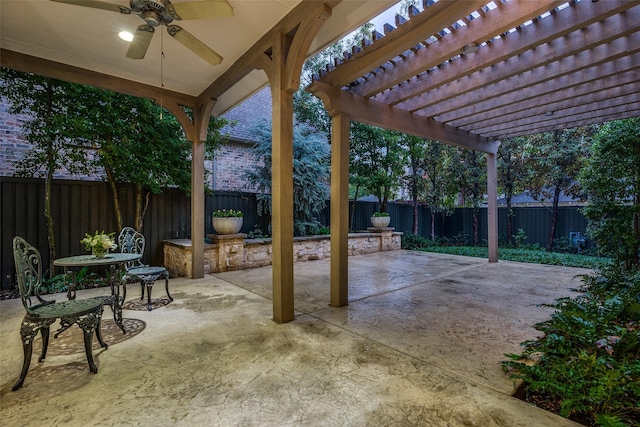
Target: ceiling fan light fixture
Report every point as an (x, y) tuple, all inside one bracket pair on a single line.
[(125, 35)]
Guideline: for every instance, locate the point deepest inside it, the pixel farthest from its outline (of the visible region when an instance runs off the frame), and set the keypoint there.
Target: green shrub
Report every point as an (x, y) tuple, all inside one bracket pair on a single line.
[(588, 359), (413, 241)]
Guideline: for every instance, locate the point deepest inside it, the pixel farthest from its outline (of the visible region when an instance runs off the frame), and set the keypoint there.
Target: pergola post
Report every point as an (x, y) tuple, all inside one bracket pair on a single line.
[(282, 185), (283, 66), (340, 126), (195, 129), (492, 206)]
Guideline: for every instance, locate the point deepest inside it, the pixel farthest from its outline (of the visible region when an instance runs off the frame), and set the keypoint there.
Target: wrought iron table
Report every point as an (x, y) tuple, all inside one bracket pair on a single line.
[(115, 261)]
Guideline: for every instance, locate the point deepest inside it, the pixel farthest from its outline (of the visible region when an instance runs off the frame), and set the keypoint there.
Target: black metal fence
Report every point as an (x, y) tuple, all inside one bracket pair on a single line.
[(80, 207)]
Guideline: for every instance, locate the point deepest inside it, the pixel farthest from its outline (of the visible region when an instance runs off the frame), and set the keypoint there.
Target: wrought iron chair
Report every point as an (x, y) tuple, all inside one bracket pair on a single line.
[(86, 313), (132, 241)]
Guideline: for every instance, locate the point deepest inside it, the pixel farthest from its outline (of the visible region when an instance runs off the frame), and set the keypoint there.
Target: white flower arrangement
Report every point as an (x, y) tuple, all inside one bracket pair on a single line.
[(100, 241)]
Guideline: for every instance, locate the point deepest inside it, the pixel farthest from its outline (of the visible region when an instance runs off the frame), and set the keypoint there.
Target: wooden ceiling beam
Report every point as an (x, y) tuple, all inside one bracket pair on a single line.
[(570, 123), (337, 101), (607, 88), (547, 93), (525, 70), (494, 23), (60, 71), (248, 62), (586, 66), (573, 111), (564, 119), (419, 28), (493, 64)]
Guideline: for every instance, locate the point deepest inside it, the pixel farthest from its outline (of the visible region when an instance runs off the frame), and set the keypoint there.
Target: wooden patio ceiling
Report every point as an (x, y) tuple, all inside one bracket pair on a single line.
[(472, 72)]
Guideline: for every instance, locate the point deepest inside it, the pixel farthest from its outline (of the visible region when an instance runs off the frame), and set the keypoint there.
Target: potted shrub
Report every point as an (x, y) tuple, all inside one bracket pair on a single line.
[(380, 219), (227, 221)]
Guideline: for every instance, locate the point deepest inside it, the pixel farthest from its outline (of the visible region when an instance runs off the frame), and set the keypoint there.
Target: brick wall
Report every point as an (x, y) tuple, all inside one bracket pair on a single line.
[(12, 143), (230, 163)]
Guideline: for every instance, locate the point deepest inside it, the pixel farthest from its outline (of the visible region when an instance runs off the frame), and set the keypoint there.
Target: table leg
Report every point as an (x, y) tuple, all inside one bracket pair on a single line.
[(71, 287), (115, 294)]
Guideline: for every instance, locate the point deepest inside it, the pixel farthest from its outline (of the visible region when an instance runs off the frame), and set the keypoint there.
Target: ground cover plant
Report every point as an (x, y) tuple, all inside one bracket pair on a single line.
[(532, 253), (586, 366)]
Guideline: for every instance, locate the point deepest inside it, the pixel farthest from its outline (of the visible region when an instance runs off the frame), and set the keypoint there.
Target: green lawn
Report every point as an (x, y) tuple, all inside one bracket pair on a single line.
[(524, 255)]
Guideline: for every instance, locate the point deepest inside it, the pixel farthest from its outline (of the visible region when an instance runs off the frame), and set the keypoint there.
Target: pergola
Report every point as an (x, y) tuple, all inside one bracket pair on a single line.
[(464, 72)]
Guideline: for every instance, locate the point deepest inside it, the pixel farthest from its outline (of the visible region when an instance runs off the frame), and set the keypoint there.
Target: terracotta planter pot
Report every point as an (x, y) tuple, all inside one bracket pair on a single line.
[(231, 225), (380, 221)]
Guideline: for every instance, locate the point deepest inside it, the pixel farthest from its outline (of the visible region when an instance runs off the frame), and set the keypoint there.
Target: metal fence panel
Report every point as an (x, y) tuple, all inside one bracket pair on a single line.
[(81, 207)]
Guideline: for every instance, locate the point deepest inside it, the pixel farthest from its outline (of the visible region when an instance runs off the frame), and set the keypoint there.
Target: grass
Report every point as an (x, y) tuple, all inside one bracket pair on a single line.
[(524, 255)]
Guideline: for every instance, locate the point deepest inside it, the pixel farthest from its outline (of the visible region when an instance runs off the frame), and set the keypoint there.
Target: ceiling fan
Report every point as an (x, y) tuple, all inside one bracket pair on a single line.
[(163, 12)]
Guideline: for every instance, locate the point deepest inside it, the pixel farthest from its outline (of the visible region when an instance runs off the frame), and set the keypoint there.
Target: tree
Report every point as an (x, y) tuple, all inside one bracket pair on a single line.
[(611, 181), (52, 118), (310, 175), (415, 180), (513, 173), (472, 181), (556, 160), (429, 177), (133, 144), (375, 160), (138, 142)]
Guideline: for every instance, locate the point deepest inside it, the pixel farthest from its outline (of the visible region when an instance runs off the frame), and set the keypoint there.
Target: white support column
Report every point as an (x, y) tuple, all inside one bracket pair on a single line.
[(339, 210), (492, 206)]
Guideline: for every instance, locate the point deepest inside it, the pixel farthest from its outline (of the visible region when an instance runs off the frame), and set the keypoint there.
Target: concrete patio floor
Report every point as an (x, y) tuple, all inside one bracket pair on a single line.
[(419, 344)]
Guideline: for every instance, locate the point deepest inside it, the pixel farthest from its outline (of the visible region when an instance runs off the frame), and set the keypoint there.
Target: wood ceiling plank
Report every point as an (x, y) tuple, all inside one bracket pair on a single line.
[(593, 105)]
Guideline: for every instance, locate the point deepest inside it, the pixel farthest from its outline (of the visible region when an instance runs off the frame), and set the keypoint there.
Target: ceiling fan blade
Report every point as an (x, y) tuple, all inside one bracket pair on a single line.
[(140, 42), (98, 5), (208, 9), (196, 46)]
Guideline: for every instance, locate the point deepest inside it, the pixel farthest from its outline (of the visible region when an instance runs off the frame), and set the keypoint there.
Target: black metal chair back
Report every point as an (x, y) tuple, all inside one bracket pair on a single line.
[(131, 241), (29, 274)]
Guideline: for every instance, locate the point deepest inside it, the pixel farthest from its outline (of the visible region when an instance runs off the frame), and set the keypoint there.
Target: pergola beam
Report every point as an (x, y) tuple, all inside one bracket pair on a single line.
[(614, 37), (415, 31), (374, 113), (510, 15), (548, 96), (599, 116), (589, 103)]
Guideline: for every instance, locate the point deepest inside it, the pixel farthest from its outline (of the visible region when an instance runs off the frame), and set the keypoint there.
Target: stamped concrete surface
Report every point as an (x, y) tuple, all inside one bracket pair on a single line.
[(419, 344)]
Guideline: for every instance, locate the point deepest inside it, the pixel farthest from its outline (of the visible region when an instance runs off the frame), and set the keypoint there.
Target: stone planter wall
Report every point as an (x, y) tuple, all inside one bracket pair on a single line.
[(235, 252)]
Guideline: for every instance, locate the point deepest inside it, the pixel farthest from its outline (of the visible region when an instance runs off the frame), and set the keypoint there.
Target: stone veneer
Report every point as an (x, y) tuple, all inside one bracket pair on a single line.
[(235, 252)]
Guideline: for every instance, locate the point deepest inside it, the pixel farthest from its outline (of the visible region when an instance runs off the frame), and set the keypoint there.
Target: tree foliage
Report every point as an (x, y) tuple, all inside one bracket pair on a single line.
[(611, 181), (376, 161), (310, 175), (513, 173), (556, 160), (51, 119), (470, 169)]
